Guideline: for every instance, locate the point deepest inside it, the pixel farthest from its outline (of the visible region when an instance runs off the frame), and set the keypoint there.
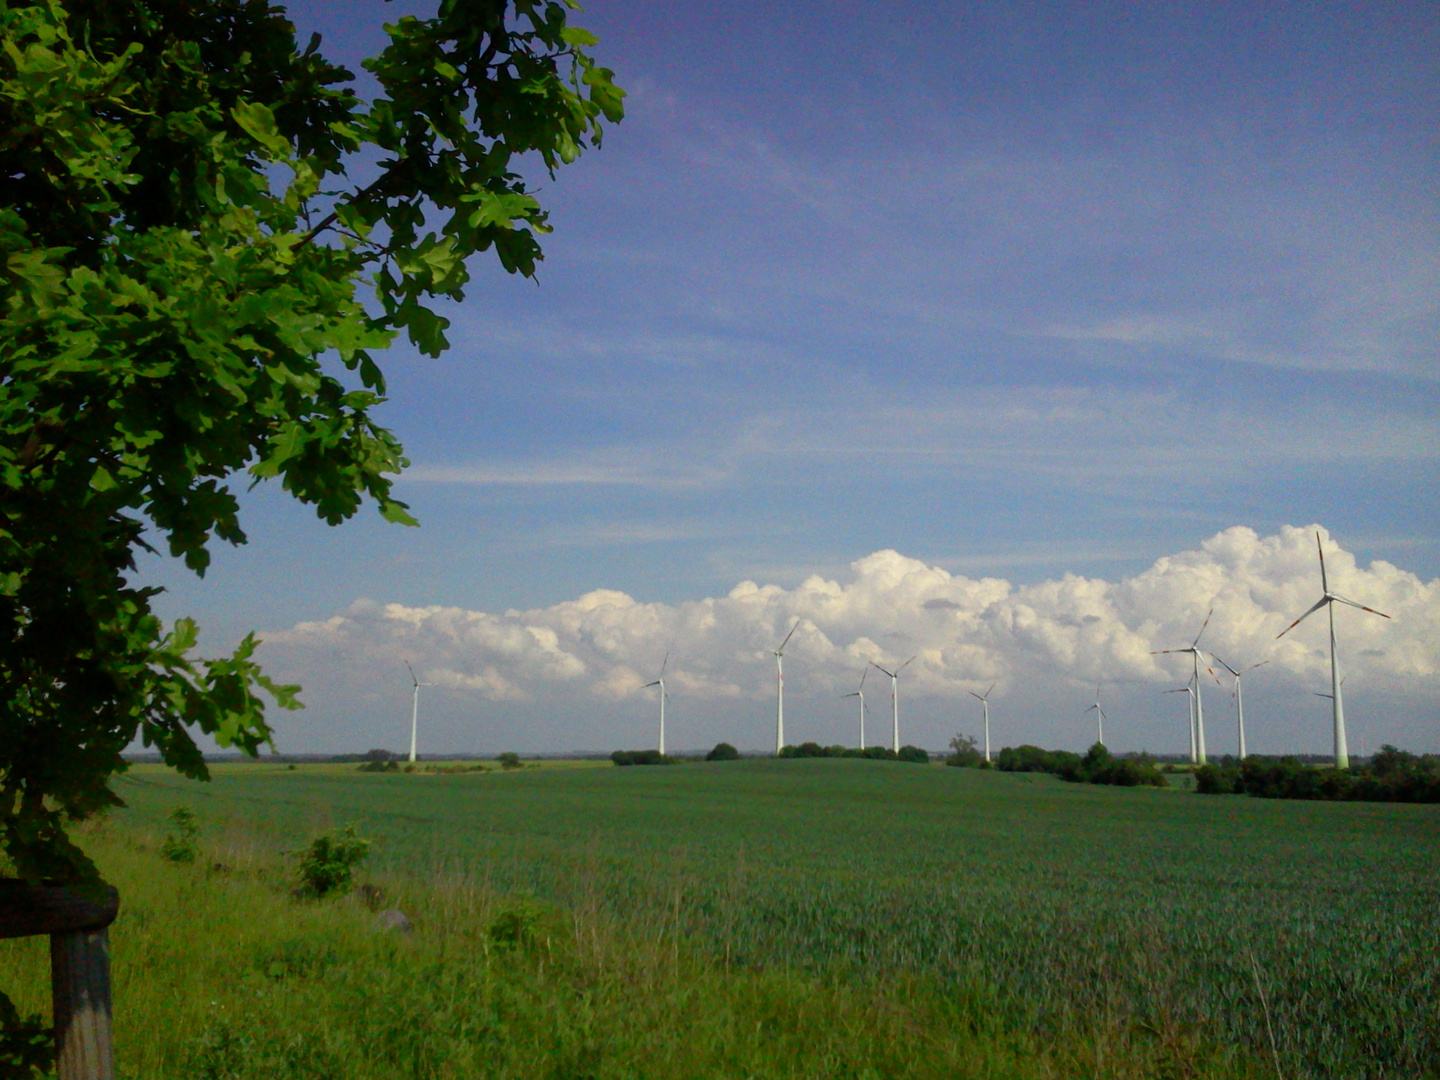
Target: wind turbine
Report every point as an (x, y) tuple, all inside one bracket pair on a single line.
[(984, 699), (1197, 714), (861, 695), (1187, 689), (660, 682), (1239, 697), (895, 700), (414, 708), (780, 689), (1328, 600), (1099, 716)]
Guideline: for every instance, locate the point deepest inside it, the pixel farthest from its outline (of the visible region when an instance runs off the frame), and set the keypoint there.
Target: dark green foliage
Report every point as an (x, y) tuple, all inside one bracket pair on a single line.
[(874, 753), (640, 757), (1392, 775), (179, 843), (187, 298), (27, 1046), (379, 761), (723, 751), (1098, 766), (328, 866), (964, 753), (509, 760)]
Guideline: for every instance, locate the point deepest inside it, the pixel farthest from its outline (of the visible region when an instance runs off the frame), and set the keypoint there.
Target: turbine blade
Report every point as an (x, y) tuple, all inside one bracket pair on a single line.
[(1226, 666), (1362, 607), (1324, 582), (1202, 628), (976, 696), (650, 684), (903, 666), (890, 673), (853, 693), (788, 637), (987, 692), (1317, 606), (1252, 667), (664, 662), (864, 671), (410, 669)]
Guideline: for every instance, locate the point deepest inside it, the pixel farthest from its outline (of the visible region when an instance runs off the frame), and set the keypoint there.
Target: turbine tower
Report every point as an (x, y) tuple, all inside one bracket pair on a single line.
[(861, 695), (1186, 689), (780, 689), (1328, 600), (895, 700), (1239, 697), (1197, 714), (1099, 716), (984, 700), (660, 682), (414, 708)]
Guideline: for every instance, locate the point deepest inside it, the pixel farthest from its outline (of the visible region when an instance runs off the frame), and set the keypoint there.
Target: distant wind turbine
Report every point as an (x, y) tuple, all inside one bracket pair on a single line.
[(1197, 713), (895, 700), (861, 695), (660, 682), (414, 708), (780, 689), (984, 700), (1328, 600), (1239, 697), (1099, 717)]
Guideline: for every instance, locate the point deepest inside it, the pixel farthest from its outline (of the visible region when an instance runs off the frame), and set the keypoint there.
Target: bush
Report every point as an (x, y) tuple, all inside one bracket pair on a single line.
[(723, 752), (379, 761), (640, 757), (328, 867), (509, 760), (914, 755), (964, 753), (179, 845)]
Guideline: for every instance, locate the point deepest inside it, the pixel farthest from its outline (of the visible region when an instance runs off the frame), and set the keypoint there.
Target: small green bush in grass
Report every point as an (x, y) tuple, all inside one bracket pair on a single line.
[(723, 752), (179, 844), (328, 867)]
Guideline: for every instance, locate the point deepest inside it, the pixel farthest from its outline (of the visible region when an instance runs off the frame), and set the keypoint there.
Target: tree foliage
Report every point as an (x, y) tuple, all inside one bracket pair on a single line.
[(193, 207)]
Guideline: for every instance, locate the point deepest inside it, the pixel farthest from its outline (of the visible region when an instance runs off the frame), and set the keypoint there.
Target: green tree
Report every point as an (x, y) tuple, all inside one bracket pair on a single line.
[(193, 208)]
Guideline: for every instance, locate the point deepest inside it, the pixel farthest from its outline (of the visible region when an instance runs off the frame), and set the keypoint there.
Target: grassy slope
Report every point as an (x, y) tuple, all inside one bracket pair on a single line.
[(1142, 921)]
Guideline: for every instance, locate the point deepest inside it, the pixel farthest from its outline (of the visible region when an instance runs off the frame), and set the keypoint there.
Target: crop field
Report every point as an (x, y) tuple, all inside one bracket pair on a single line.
[(1305, 932)]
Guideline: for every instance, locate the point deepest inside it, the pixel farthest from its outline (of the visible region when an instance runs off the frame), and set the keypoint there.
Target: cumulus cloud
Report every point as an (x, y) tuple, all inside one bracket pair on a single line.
[(964, 632)]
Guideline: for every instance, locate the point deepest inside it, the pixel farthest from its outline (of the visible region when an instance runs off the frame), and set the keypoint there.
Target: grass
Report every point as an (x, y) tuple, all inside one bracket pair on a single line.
[(847, 915)]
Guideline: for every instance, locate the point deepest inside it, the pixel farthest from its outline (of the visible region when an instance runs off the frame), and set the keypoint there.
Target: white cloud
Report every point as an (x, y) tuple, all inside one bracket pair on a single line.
[(964, 632)]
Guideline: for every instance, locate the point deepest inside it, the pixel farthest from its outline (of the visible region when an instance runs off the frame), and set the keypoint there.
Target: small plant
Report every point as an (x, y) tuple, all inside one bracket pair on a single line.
[(965, 753), (328, 867), (179, 844), (509, 760)]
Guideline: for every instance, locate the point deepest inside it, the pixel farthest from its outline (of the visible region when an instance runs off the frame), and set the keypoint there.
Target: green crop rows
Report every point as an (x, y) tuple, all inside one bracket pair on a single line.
[(1310, 924)]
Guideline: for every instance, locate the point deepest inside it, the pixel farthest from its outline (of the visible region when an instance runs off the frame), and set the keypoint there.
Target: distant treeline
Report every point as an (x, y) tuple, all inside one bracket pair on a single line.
[(1097, 766), (725, 752), (874, 753), (1392, 775)]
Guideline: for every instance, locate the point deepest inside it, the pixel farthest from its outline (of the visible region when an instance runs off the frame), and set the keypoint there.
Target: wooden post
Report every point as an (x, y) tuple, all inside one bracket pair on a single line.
[(79, 967)]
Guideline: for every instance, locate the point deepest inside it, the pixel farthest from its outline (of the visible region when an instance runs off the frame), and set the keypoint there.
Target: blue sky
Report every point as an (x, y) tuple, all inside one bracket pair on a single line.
[(1014, 290)]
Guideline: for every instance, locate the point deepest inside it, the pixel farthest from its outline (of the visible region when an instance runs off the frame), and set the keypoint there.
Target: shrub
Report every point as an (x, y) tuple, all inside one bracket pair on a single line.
[(640, 757), (913, 754), (723, 752), (509, 760), (328, 867), (179, 845), (965, 754), (379, 761)]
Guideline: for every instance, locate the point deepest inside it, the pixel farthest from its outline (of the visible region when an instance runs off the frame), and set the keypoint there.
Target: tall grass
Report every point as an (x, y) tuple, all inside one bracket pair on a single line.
[(220, 971)]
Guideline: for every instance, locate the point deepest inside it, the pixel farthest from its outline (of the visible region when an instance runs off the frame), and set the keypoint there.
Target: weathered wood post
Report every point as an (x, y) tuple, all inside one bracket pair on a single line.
[(79, 967)]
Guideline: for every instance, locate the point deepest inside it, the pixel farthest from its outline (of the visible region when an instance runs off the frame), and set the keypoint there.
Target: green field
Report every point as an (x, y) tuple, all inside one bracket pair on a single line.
[(1301, 935)]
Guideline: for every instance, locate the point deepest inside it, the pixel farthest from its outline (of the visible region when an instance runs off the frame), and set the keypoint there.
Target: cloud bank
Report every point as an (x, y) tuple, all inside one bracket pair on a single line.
[(591, 656)]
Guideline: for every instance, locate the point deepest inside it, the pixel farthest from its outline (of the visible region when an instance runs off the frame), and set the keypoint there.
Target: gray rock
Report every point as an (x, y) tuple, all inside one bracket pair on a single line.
[(393, 919)]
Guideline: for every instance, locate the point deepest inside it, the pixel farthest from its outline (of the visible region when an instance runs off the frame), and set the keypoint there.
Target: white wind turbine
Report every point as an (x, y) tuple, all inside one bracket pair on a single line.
[(780, 689), (984, 700), (861, 695), (660, 682), (1197, 713), (1328, 599), (1239, 697), (1099, 717), (895, 700), (414, 708)]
